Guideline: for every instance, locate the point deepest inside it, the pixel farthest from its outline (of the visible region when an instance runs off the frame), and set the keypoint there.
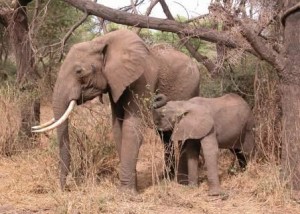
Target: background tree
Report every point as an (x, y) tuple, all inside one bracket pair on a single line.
[(33, 35), (14, 18)]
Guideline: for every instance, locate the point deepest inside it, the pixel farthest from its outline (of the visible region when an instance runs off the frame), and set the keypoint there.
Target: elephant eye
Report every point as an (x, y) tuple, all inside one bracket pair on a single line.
[(78, 71)]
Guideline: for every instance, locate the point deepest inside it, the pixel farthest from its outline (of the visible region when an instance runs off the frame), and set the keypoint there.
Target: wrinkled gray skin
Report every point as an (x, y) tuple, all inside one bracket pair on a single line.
[(120, 64), (224, 122)]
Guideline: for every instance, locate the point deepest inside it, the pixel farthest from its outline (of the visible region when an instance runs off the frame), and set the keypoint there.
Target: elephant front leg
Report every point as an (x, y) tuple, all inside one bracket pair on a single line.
[(192, 153), (131, 142), (210, 151), (188, 172), (117, 134)]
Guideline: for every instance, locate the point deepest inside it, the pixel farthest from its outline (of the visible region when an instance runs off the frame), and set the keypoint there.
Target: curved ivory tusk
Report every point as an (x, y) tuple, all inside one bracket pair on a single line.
[(60, 120), (48, 123)]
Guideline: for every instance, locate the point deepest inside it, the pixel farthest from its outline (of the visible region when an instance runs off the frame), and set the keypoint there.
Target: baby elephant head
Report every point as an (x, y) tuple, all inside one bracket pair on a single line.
[(186, 119), (166, 114)]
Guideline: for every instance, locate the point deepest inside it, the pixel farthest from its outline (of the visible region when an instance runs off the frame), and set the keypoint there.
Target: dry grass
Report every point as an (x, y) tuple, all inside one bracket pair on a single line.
[(29, 180), (10, 123), (29, 184)]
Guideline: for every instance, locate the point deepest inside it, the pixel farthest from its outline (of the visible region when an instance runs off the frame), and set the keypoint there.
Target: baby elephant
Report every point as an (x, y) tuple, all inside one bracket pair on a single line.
[(223, 122)]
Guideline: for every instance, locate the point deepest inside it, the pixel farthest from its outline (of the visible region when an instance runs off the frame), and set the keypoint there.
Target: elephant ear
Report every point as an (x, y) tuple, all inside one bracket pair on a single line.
[(194, 124), (125, 59)]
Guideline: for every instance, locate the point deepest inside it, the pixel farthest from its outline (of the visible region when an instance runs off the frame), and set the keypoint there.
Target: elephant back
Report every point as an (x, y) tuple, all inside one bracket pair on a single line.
[(178, 74)]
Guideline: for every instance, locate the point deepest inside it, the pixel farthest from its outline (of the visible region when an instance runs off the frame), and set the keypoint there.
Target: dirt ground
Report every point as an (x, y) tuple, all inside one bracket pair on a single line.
[(29, 184)]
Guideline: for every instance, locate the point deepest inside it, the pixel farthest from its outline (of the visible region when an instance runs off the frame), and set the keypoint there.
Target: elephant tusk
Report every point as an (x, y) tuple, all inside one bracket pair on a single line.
[(63, 118), (44, 125)]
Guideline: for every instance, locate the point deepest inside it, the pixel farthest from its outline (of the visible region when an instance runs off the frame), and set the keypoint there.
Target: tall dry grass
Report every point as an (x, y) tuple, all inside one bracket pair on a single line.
[(29, 181), (12, 140), (267, 114)]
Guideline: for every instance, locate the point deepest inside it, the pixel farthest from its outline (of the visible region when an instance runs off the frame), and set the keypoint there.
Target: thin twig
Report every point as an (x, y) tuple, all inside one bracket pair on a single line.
[(289, 12), (148, 11), (210, 66), (196, 18), (133, 5), (69, 33)]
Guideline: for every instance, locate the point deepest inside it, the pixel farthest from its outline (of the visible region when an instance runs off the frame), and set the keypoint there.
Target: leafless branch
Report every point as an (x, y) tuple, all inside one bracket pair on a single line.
[(148, 11), (133, 6), (210, 66), (69, 33), (152, 5), (196, 18), (102, 25), (122, 17), (289, 12), (248, 31), (187, 13), (261, 47), (130, 7)]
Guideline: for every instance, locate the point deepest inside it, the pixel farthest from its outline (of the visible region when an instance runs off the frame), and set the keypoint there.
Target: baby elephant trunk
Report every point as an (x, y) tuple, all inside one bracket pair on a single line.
[(159, 101)]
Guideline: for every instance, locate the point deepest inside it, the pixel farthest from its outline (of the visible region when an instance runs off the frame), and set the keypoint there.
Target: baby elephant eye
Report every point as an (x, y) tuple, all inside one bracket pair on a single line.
[(78, 70)]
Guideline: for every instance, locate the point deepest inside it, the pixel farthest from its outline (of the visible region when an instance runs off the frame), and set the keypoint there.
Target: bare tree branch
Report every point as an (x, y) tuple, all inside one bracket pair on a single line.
[(248, 31), (133, 6), (152, 5), (261, 47), (196, 18), (289, 11), (69, 33), (122, 17), (210, 66)]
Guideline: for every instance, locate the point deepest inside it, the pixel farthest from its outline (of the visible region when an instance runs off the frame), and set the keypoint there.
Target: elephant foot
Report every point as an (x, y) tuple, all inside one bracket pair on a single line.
[(214, 192), (183, 179), (128, 190)]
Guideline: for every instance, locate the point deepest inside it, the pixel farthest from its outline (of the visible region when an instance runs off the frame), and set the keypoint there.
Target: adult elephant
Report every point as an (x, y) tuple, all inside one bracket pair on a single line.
[(120, 64)]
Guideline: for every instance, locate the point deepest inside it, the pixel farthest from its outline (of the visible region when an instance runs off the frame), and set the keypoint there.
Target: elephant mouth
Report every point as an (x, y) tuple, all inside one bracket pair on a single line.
[(89, 94)]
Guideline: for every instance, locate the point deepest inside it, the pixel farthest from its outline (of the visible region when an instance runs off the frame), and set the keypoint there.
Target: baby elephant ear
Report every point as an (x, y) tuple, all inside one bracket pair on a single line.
[(193, 125)]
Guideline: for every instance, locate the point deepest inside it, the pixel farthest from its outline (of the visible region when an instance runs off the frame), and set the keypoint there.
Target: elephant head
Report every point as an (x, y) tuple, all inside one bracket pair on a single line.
[(106, 64), (187, 120)]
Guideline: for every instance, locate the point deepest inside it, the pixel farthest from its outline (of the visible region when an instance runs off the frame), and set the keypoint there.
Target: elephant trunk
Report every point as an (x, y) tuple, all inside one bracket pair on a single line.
[(63, 141), (61, 102), (159, 101)]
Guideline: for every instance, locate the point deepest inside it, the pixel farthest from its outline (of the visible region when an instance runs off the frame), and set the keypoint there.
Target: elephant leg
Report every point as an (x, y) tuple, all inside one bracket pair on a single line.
[(192, 153), (182, 170), (131, 142), (117, 122), (210, 148), (64, 163), (169, 155), (240, 156), (117, 134)]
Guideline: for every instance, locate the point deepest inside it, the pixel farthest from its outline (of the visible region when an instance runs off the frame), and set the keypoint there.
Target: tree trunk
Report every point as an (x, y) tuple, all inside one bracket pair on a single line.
[(290, 99), (17, 26)]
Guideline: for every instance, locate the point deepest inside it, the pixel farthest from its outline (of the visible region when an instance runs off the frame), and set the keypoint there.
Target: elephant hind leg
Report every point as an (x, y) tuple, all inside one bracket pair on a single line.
[(210, 149), (241, 157)]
